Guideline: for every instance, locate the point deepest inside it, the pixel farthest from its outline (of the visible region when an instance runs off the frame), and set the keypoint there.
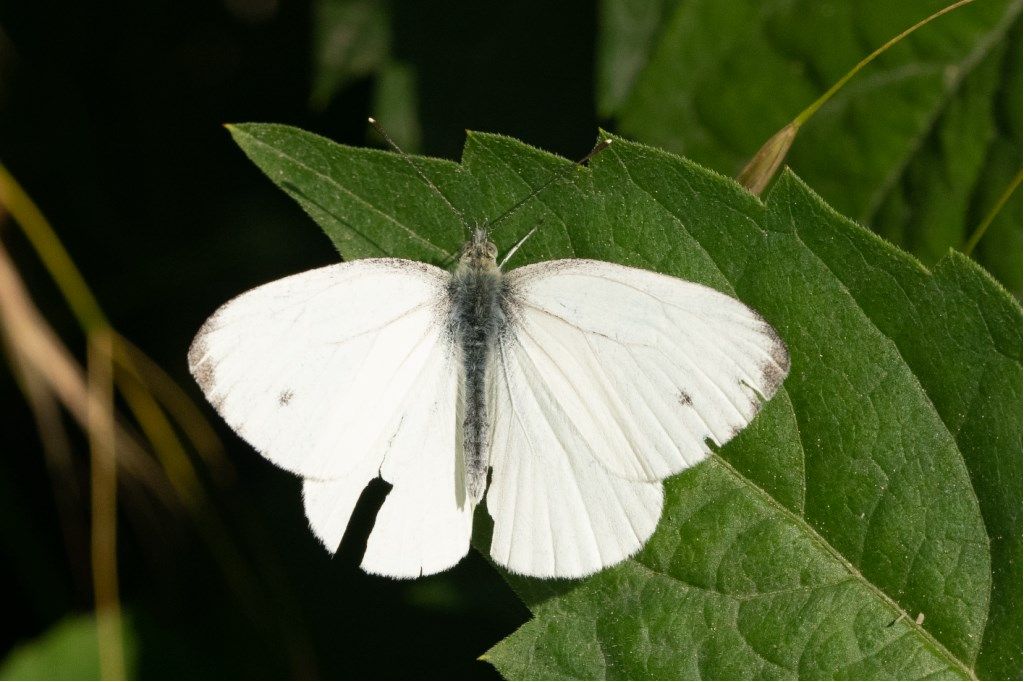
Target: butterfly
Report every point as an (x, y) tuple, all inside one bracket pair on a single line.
[(559, 394)]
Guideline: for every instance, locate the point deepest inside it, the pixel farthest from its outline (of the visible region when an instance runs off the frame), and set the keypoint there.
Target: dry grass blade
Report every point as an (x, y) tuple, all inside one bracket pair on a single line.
[(151, 397), (60, 465), (103, 487), (760, 170), (140, 368), (38, 348)]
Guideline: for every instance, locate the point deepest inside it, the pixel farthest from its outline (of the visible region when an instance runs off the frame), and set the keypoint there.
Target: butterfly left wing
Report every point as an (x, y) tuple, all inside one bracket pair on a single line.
[(608, 380), (340, 374), (648, 368)]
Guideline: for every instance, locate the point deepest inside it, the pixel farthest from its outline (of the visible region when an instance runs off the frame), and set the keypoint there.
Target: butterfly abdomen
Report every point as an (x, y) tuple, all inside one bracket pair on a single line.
[(476, 321)]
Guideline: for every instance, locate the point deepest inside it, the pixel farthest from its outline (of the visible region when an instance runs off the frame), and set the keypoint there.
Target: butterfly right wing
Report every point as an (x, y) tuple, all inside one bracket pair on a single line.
[(341, 373), (311, 369)]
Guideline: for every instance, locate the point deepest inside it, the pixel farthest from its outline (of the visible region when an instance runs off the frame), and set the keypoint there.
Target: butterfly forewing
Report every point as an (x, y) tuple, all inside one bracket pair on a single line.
[(649, 368)]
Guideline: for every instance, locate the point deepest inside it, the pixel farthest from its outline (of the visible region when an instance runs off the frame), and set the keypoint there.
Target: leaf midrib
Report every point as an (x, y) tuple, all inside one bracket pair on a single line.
[(974, 493), (853, 573), (818, 539)]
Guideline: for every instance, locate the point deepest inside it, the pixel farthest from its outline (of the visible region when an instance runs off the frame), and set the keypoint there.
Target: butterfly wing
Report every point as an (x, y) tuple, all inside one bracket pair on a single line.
[(557, 511), (340, 374), (425, 523), (610, 379)]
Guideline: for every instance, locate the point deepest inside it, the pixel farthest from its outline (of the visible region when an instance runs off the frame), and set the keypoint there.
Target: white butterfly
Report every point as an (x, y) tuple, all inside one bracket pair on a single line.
[(579, 385)]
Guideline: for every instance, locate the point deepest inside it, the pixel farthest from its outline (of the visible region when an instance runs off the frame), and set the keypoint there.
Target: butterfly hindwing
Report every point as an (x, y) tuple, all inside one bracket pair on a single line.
[(557, 511), (425, 523)]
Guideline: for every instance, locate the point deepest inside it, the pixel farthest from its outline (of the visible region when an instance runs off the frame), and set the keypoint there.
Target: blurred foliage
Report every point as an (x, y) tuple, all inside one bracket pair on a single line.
[(351, 40), (862, 496), (67, 651), (912, 147)]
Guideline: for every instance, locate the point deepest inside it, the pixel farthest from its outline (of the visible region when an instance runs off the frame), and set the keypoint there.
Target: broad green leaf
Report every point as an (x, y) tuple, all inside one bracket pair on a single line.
[(67, 651), (909, 147), (880, 486)]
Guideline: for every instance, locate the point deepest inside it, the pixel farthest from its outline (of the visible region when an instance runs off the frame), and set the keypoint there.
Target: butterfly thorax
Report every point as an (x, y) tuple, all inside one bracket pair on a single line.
[(476, 321)]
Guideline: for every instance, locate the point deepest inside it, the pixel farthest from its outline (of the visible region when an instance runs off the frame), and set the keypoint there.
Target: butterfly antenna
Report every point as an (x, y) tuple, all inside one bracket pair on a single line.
[(598, 148), (512, 251), (408, 159)]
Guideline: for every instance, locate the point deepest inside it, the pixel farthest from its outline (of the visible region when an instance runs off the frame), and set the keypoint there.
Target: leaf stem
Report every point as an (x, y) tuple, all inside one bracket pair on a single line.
[(980, 231)]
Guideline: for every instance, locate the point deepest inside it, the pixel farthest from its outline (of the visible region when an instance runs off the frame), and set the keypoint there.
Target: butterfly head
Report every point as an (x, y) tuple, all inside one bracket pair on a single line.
[(479, 252)]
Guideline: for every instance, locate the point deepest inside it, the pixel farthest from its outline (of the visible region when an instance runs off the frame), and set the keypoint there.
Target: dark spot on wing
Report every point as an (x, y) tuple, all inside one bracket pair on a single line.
[(285, 397), (685, 399)]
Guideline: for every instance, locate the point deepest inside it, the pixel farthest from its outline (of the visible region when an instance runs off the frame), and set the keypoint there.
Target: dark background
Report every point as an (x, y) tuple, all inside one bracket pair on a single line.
[(110, 117)]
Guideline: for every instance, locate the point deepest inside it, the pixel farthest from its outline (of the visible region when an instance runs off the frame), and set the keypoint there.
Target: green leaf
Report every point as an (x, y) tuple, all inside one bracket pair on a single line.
[(881, 485), (67, 651), (910, 147)]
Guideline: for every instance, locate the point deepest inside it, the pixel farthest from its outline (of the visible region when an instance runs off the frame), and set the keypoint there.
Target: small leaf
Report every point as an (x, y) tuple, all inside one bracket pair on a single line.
[(882, 482)]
